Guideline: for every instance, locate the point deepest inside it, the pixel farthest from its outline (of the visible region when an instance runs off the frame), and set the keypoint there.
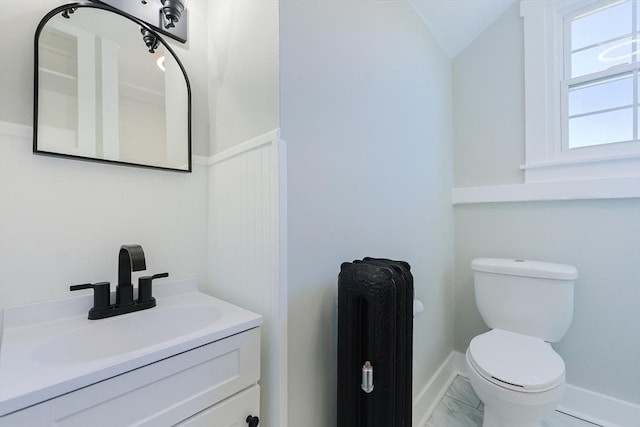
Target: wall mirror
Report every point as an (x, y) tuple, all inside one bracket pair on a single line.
[(108, 88)]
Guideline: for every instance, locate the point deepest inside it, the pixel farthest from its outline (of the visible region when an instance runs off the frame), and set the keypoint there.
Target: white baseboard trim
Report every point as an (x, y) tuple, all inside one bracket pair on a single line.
[(597, 408), (426, 401)]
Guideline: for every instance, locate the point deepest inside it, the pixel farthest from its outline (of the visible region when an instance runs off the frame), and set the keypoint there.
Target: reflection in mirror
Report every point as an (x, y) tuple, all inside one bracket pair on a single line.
[(105, 90)]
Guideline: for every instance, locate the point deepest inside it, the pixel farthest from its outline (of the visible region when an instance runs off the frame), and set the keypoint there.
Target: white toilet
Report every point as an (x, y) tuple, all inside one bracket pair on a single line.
[(512, 368)]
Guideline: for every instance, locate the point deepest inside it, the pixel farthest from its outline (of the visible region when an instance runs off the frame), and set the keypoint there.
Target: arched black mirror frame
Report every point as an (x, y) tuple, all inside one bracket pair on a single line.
[(72, 7)]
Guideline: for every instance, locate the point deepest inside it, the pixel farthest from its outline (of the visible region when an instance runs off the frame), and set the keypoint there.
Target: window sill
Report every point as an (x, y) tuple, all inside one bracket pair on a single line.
[(610, 188), (578, 169)]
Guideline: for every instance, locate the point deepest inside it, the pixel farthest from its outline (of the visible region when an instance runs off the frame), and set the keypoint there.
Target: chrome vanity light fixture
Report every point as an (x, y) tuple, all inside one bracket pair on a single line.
[(169, 17), (148, 37), (68, 12), (172, 11), (150, 40)]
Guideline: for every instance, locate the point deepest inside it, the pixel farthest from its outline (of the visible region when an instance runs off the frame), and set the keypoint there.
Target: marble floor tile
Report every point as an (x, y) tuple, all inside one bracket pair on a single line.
[(461, 390), (452, 413), (461, 407)]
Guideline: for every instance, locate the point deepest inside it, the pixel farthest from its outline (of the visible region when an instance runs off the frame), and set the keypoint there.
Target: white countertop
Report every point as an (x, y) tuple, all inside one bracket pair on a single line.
[(51, 348)]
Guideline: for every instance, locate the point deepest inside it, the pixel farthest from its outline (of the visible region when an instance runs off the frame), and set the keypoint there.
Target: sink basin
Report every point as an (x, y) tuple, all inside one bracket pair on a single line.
[(113, 336), (51, 348)]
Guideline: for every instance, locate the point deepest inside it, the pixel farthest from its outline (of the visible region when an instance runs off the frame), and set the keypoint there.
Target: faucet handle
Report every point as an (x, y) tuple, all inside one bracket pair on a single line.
[(144, 288), (88, 286), (101, 293)]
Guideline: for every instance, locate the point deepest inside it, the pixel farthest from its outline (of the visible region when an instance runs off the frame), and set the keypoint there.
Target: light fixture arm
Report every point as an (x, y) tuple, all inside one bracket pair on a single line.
[(68, 12)]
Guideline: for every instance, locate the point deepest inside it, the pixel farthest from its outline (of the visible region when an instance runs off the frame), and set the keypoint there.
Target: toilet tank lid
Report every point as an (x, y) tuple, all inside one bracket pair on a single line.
[(520, 267)]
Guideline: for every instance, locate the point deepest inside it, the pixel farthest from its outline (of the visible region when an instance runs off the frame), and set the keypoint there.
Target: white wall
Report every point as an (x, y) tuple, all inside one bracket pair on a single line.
[(19, 19), (69, 218), (243, 71), (193, 56), (365, 111), (62, 221), (600, 237)]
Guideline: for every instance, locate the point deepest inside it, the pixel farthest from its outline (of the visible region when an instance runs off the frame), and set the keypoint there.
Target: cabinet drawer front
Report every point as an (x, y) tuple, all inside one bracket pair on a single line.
[(232, 412), (166, 392)]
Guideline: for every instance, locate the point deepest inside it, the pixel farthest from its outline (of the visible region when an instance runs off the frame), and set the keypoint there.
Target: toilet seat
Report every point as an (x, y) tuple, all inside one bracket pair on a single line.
[(515, 361)]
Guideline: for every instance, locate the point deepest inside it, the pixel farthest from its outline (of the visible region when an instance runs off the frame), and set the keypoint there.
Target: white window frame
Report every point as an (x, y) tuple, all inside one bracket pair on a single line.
[(546, 111)]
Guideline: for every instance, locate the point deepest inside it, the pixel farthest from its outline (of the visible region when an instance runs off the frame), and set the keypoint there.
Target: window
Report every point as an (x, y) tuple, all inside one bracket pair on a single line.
[(600, 74), (582, 89)]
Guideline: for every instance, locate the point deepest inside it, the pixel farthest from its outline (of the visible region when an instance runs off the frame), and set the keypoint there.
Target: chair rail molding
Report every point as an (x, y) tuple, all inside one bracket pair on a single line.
[(610, 188)]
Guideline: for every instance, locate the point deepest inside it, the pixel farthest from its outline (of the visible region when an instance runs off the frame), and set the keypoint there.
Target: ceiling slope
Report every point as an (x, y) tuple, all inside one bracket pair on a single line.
[(456, 23)]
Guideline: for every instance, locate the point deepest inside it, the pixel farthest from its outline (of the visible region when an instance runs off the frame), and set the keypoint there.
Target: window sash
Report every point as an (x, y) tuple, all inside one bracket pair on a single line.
[(545, 159), (568, 82)]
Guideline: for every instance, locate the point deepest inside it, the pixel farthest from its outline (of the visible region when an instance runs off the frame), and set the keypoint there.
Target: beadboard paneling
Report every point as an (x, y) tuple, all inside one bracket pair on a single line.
[(246, 252)]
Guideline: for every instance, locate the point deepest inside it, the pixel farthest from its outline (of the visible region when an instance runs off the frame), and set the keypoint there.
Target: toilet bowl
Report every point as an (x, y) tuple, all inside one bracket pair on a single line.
[(512, 368), (520, 379)]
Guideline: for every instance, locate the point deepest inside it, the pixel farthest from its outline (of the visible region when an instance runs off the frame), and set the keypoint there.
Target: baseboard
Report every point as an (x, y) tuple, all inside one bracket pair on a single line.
[(427, 400), (597, 408)]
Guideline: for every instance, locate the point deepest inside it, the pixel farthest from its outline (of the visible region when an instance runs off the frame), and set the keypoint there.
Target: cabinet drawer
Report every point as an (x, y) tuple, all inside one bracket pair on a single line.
[(160, 394), (232, 412)]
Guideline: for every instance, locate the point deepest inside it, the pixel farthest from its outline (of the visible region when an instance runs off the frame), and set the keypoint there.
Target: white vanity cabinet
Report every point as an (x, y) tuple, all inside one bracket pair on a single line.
[(211, 385), (232, 412)]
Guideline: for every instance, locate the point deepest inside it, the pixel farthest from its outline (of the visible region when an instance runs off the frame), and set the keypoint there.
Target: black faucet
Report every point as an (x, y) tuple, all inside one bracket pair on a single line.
[(130, 258)]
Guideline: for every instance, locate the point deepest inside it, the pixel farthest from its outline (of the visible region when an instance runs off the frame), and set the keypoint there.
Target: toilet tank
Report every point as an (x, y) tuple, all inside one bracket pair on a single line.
[(529, 297)]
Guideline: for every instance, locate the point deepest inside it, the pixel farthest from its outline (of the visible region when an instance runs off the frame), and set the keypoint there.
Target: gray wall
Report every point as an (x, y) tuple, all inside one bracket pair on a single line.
[(365, 111), (600, 237), (488, 102)]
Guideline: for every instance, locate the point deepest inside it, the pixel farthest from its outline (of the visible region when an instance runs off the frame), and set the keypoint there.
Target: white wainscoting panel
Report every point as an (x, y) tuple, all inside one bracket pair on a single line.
[(247, 252)]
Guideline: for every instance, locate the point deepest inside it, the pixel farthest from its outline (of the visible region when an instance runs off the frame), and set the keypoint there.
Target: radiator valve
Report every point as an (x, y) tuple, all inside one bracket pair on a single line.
[(367, 377)]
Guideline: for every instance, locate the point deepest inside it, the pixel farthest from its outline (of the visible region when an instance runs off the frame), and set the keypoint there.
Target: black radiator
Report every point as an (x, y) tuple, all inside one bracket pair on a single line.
[(375, 343)]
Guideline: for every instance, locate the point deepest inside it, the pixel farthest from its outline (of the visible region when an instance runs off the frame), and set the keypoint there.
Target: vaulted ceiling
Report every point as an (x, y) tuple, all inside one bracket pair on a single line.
[(456, 23)]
